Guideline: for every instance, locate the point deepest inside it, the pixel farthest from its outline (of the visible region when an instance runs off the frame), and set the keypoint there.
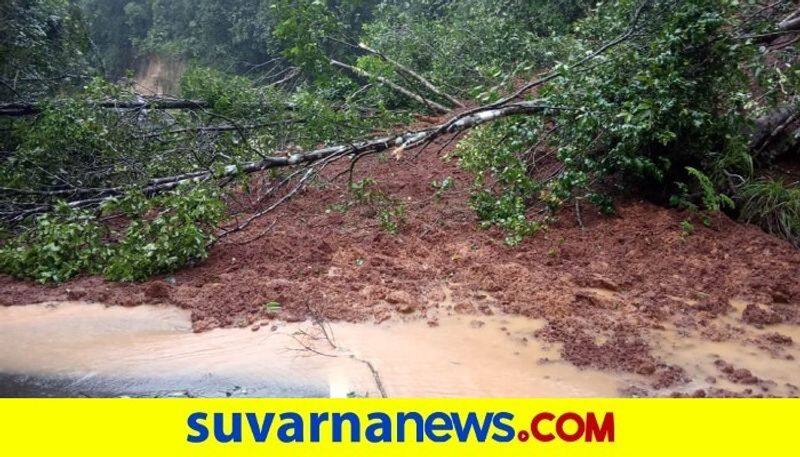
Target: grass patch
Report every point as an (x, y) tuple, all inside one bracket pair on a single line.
[(774, 206)]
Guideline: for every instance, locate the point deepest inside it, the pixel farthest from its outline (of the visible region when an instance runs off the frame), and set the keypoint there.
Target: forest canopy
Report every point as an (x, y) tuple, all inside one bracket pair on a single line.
[(552, 104)]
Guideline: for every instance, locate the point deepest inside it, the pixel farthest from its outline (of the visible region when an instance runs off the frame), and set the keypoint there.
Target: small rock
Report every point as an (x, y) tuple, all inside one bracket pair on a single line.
[(779, 339), (757, 316), (646, 370), (382, 314), (601, 282), (156, 291), (399, 297), (464, 308), (75, 294), (291, 318), (780, 297), (713, 306), (743, 376), (407, 308), (486, 310)]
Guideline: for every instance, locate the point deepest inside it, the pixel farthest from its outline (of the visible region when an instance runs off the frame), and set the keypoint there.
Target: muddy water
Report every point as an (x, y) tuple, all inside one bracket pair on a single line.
[(777, 366), (495, 356), (76, 349), (698, 356), (92, 350)]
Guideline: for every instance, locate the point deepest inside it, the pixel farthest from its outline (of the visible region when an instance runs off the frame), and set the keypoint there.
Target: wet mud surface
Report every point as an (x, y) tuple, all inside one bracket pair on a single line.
[(609, 294)]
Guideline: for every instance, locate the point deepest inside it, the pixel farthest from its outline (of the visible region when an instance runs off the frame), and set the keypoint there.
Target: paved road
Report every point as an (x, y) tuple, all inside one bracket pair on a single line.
[(30, 386)]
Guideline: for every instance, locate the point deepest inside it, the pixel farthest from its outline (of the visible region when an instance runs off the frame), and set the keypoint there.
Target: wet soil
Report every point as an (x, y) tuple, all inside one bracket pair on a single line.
[(605, 290)]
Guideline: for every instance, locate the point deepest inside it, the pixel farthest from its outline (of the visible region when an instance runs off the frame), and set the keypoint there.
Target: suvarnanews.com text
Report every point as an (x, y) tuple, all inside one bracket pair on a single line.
[(400, 427)]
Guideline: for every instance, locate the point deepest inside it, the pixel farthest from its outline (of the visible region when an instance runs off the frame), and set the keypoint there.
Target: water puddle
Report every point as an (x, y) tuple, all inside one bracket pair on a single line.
[(78, 349)]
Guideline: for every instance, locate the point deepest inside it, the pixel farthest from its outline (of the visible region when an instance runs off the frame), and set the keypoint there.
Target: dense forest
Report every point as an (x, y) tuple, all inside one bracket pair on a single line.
[(554, 105)]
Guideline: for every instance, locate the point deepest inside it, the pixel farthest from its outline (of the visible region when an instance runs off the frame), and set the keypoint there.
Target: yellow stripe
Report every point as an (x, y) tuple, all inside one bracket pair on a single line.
[(147, 428)]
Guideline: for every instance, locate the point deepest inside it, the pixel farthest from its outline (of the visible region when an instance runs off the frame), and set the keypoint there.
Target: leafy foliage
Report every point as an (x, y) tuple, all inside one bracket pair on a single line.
[(229, 34), (73, 144), (660, 112), (651, 109), (503, 183), (177, 234), (57, 247), (473, 46), (42, 46), (302, 27), (164, 234), (390, 212), (228, 95)]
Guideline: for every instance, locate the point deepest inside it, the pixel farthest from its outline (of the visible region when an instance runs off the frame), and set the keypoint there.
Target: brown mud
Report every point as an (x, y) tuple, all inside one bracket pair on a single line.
[(614, 293)]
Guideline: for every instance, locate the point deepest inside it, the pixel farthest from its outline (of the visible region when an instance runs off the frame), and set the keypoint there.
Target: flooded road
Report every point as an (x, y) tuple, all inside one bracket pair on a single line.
[(94, 350), (78, 349)]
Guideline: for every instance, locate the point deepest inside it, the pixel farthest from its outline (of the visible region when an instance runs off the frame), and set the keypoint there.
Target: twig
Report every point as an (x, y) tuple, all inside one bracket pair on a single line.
[(375, 375)]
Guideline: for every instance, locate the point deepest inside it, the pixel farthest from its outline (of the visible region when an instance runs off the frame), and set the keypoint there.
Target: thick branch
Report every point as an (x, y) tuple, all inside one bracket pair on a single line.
[(25, 109), (790, 23), (394, 86), (767, 125), (354, 149)]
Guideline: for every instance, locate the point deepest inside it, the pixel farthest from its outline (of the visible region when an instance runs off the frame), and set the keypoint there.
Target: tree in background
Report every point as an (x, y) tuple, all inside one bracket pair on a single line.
[(43, 47)]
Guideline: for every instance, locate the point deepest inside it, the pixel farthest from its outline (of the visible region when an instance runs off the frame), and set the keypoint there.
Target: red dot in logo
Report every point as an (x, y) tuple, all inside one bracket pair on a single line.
[(523, 436)]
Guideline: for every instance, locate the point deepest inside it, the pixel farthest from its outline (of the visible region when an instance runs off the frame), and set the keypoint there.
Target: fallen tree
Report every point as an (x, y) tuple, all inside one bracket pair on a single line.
[(767, 129), (414, 75), (354, 151), (27, 109)]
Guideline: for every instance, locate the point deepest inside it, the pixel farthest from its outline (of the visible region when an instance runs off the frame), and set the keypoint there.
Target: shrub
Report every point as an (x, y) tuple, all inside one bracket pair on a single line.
[(178, 234), (228, 95), (390, 212), (67, 242), (57, 247)]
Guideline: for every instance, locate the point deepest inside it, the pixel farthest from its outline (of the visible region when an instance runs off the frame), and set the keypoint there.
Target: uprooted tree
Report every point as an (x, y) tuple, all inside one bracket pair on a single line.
[(691, 103)]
